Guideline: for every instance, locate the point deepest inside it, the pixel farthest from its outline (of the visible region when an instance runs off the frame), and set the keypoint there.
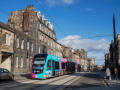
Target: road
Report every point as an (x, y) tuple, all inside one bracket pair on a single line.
[(76, 81)]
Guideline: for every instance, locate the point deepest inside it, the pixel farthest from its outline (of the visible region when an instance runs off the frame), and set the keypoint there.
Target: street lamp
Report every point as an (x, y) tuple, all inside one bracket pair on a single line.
[(114, 36), (115, 48)]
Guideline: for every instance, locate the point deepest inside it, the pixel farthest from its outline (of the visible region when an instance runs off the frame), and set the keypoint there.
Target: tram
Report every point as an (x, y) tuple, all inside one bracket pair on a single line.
[(44, 66)]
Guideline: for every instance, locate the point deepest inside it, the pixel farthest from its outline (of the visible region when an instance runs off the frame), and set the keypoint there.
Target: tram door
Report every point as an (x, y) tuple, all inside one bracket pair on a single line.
[(53, 67)]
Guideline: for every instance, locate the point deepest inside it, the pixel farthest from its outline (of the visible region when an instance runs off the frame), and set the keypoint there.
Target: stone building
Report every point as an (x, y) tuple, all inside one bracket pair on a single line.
[(83, 59), (24, 49), (33, 34), (59, 50), (36, 26), (67, 52), (118, 50), (91, 63), (77, 55), (6, 46), (107, 60), (76, 58)]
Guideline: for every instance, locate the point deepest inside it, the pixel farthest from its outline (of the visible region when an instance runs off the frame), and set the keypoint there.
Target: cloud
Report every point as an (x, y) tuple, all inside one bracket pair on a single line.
[(90, 45), (68, 1), (87, 9), (60, 2), (94, 48), (51, 2)]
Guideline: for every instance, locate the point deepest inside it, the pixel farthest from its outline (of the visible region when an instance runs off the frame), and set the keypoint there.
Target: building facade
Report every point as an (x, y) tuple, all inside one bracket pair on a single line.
[(77, 55), (6, 46), (33, 34), (110, 57), (83, 59), (67, 52), (91, 63), (107, 60), (28, 32), (118, 50)]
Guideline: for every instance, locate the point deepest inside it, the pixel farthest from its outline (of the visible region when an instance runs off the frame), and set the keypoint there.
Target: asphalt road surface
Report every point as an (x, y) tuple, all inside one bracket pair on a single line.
[(76, 81)]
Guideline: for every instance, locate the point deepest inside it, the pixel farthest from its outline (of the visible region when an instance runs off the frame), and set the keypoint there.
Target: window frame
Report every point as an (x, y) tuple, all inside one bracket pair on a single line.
[(17, 42), (17, 62), (7, 39), (57, 65), (22, 44), (63, 64), (49, 65)]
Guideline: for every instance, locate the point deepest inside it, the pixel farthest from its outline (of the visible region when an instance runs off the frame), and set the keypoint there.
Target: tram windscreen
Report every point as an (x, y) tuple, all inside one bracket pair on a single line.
[(38, 64), (39, 61)]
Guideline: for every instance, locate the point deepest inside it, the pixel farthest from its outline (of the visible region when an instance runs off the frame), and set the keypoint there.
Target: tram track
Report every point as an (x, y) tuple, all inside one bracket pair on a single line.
[(33, 83), (51, 87), (46, 84), (65, 84)]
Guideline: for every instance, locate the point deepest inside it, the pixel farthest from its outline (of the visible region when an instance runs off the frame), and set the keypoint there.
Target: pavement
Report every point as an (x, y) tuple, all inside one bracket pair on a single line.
[(110, 83), (21, 76)]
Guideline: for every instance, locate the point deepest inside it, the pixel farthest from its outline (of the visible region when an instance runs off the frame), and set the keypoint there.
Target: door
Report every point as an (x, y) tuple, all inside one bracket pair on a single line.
[(53, 67)]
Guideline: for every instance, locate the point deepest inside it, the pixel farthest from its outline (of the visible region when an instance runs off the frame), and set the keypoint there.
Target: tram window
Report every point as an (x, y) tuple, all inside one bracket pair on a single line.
[(49, 64), (53, 65), (63, 65), (56, 65)]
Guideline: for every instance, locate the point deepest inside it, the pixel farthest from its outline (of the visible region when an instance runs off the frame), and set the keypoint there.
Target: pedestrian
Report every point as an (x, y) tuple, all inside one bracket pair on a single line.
[(108, 74), (116, 73)]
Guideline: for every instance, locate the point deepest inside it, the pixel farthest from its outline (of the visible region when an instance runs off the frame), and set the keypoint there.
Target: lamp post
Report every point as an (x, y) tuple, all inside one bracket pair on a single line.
[(115, 48)]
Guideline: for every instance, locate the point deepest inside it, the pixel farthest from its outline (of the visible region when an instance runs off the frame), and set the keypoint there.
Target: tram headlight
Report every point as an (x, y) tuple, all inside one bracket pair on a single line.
[(44, 76)]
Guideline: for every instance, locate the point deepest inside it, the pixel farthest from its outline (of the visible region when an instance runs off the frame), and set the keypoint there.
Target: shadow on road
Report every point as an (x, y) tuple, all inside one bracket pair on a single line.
[(85, 82)]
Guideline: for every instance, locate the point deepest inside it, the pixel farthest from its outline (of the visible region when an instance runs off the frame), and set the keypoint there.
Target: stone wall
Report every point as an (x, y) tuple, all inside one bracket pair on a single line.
[(36, 30), (6, 46)]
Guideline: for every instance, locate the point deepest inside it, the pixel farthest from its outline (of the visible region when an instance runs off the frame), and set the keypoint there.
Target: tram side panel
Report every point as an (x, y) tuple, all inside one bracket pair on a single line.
[(63, 63), (44, 66)]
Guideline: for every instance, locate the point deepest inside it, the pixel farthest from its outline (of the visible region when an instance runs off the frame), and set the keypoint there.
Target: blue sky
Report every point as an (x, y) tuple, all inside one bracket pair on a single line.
[(75, 19)]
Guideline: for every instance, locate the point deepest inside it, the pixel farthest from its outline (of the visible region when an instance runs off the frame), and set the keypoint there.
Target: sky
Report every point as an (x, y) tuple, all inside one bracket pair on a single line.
[(77, 23)]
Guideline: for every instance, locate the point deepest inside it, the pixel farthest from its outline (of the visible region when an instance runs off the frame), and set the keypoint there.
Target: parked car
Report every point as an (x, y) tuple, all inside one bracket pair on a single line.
[(5, 74)]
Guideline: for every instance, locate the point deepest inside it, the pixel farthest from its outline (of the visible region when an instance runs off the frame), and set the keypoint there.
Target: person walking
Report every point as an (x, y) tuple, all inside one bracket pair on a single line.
[(116, 73), (108, 74)]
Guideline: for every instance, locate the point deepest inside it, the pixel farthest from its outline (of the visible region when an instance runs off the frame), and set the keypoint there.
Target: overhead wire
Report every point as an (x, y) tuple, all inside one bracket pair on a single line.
[(58, 27), (107, 35)]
